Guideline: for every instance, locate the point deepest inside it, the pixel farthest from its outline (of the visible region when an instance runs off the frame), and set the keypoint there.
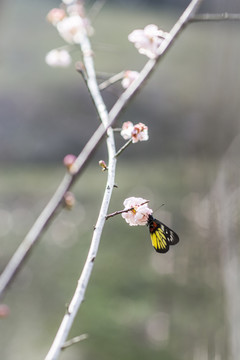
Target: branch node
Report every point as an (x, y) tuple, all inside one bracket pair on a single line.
[(67, 312), (80, 67)]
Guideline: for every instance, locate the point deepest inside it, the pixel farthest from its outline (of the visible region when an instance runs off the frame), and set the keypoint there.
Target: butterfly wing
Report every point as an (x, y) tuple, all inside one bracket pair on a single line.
[(159, 241), (161, 235)]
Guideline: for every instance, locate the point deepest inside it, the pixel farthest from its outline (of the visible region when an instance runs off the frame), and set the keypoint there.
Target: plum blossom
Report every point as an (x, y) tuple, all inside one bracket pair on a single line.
[(58, 58), (138, 132), (127, 129), (128, 78), (139, 213), (55, 15), (72, 28), (148, 40)]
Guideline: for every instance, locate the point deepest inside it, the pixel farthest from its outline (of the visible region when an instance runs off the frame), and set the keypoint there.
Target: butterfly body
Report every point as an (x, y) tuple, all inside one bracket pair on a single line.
[(161, 235)]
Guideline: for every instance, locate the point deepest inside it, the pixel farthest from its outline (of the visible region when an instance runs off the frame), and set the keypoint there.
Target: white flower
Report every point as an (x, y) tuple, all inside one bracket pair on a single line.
[(58, 58), (139, 213), (127, 129), (72, 29), (128, 78), (140, 133), (148, 40)]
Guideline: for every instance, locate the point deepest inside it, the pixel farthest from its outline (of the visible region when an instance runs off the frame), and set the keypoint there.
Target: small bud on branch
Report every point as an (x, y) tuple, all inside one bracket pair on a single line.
[(69, 200), (69, 160), (103, 165)]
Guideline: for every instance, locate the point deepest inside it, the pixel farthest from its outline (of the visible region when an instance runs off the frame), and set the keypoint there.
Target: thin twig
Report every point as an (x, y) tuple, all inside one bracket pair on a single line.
[(123, 211), (118, 213), (74, 340), (81, 70), (112, 80), (215, 17), (104, 75), (123, 147)]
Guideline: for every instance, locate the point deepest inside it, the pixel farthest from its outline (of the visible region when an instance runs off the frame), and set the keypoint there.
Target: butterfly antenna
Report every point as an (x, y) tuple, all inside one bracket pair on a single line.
[(158, 208)]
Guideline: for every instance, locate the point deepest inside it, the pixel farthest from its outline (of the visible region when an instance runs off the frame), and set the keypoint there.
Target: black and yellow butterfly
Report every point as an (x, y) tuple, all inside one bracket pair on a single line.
[(162, 237)]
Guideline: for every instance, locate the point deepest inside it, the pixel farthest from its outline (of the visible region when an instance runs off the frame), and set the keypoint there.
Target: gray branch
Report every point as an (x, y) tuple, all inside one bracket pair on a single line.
[(215, 17)]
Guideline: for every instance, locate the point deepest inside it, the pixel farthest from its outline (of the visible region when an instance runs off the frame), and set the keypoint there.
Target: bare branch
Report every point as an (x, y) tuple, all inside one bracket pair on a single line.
[(123, 147), (215, 17), (81, 70), (34, 234), (112, 80)]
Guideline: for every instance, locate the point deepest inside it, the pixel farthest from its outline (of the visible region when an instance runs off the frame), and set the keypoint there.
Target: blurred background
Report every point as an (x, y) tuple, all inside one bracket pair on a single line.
[(139, 304)]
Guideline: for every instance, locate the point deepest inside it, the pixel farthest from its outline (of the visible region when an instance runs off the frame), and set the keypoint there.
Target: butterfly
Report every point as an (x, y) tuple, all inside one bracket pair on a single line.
[(161, 235)]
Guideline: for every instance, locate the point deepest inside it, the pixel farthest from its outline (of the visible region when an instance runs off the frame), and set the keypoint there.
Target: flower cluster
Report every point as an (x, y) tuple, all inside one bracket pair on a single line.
[(148, 40), (71, 25), (137, 211), (138, 132)]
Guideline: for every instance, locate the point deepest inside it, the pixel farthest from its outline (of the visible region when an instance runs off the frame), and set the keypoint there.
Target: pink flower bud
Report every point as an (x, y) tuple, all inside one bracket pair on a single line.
[(69, 200), (103, 165), (55, 15), (69, 160)]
